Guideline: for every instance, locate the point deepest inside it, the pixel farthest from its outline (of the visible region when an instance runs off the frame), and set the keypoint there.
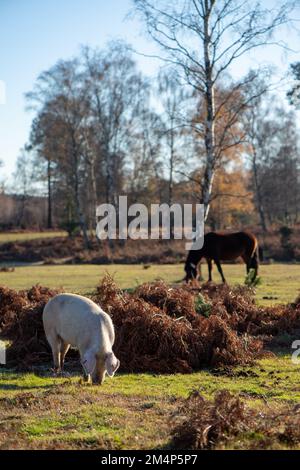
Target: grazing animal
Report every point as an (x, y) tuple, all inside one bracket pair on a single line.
[(219, 247), (73, 320)]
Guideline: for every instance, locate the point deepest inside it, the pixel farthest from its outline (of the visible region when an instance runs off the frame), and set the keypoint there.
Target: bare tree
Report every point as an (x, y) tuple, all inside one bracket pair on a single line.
[(147, 170), (2, 182), (273, 151), (91, 112), (23, 184), (256, 126), (45, 146), (204, 38), (172, 97), (294, 94), (115, 90), (60, 93), (280, 168)]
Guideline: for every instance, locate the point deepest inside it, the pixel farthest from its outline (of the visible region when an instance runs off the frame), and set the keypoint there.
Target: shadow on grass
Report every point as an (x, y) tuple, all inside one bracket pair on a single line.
[(24, 387)]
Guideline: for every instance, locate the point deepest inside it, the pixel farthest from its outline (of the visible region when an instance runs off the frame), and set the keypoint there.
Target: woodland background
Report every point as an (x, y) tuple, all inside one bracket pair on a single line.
[(194, 133)]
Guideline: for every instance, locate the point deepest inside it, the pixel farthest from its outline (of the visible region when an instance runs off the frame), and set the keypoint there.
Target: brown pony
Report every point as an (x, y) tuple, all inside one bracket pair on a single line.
[(223, 247)]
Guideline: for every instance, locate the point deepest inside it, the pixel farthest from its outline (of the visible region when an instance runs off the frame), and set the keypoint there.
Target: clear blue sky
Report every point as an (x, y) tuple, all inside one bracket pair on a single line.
[(34, 34)]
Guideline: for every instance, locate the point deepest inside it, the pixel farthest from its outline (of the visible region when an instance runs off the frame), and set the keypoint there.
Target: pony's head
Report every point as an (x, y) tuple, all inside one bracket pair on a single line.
[(191, 271)]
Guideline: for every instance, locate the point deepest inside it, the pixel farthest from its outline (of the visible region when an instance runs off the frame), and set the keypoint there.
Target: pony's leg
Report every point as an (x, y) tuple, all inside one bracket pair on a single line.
[(199, 271), (220, 269), (254, 263), (247, 262), (209, 264)]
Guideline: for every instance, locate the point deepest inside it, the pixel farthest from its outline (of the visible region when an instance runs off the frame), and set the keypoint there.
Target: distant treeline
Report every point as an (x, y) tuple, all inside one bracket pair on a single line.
[(102, 129), (22, 212)]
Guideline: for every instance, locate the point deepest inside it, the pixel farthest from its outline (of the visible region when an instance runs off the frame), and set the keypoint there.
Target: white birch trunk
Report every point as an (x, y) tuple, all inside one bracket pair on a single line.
[(209, 137)]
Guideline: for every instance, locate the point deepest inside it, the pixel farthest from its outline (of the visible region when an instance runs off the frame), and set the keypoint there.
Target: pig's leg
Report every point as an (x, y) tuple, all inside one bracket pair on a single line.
[(87, 377), (64, 348), (55, 344), (99, 372), (88, 361)]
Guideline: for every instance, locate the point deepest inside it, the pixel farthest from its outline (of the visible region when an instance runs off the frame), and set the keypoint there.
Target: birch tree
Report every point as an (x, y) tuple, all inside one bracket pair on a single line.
[(204, 38)]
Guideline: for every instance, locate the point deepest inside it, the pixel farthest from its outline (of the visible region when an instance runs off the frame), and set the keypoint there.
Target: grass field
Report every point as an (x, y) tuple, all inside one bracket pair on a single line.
[(280, 282), (134, 411), (128, 411), (6, 237)]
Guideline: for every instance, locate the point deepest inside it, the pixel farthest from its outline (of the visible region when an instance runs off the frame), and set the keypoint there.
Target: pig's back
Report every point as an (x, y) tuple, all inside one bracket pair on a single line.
[(76, 319)]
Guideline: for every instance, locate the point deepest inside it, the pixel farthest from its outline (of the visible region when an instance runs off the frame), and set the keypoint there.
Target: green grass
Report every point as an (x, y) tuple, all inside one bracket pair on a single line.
[(6, 237), (128, 411), (280, 282)]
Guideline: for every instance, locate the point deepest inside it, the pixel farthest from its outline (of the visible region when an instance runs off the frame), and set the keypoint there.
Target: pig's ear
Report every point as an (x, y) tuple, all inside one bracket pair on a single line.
[(111, 364), (89, 362)]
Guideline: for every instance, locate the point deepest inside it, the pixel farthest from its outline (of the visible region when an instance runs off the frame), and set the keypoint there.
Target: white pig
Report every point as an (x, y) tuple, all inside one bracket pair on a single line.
[(73, 320)]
